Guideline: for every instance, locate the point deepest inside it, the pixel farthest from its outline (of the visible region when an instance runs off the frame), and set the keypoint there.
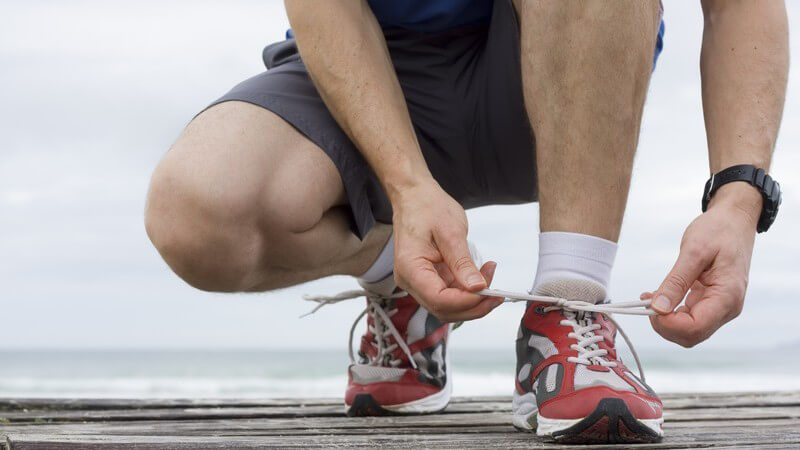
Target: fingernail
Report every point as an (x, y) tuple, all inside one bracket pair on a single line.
[(661, 304), (475, 279)]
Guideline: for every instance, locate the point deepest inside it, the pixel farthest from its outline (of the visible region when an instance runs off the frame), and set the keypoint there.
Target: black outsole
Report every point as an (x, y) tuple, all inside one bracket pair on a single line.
[(610, 423), (366, 406)]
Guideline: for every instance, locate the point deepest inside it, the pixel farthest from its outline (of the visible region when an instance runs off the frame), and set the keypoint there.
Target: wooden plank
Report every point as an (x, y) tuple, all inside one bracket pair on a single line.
[(320, 411), (692, 421), (736, 418), (671, 400), (776, 436), (111, 409), (697, 431)]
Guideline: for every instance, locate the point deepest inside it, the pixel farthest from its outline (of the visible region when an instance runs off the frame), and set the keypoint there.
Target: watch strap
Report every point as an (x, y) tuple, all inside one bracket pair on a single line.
[(769, 188)]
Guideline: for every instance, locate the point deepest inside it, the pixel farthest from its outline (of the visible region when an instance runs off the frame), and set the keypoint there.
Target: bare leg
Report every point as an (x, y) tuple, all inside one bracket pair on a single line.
[(586, 67), (244, 202)]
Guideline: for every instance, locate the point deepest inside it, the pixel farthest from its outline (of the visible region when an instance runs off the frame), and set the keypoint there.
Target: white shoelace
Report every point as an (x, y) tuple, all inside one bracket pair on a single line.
[(382, 325), (578, 314)]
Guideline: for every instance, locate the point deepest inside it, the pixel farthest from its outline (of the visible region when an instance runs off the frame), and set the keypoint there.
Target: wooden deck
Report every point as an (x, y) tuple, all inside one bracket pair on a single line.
[(756, 420)]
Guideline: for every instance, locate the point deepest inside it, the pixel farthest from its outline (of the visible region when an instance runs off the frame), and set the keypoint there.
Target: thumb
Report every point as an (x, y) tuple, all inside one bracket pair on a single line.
[(687, 269), (455, 253)]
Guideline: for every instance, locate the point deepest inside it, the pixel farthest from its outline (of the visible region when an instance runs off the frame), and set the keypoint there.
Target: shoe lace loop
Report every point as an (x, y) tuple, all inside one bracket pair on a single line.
[(382, 327), (579, 315)]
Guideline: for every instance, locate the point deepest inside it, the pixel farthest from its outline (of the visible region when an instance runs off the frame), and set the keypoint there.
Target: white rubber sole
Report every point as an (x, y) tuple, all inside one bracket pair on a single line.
[(430, 404)]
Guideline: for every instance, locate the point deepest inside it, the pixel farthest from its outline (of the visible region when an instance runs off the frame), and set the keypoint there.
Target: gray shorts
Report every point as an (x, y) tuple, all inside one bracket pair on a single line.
[(464, 93)]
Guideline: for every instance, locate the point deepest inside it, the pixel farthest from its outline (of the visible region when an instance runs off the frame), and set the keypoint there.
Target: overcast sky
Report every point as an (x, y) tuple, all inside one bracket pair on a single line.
[(94, 92)]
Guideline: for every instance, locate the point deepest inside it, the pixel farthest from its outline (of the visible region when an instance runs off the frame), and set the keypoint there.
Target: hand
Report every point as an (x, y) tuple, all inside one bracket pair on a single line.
[(712, 266), (432, 260)]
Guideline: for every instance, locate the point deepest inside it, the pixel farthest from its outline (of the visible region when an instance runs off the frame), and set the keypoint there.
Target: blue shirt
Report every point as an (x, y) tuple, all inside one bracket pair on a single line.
[(438, 15), (430, 15)]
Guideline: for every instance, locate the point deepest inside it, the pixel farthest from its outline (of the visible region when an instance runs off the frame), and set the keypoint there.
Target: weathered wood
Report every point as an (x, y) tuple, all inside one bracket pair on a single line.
[(757, 420), (671, 400)]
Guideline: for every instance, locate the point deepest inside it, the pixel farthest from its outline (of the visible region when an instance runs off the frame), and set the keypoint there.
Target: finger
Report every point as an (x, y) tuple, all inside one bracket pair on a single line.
[(487, 270), (487, 304), (449, 307), (692, 261), (446, 275), (645, 295), (695, 294), (484, 308), (690, 326), (455, 252), (424, 283)]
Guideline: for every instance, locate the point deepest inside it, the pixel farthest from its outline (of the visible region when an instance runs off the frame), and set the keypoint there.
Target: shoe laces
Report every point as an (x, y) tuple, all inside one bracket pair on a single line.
[(583, 327), (382, 327), (579, 315)]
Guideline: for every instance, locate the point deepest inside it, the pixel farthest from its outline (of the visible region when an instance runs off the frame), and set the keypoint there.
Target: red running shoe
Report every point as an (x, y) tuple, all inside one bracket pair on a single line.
[(570, 385), (402, 363)]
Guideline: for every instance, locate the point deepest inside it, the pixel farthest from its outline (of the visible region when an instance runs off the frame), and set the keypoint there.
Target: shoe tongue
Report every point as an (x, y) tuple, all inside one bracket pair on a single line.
[(572, 289), (384, 288)]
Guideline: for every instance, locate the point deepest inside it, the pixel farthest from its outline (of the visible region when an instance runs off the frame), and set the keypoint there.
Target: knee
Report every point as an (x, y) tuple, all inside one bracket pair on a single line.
[(209, 239)]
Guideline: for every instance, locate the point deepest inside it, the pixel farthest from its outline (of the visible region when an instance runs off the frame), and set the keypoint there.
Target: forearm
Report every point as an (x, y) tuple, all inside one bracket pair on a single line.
[(345, 53), (744, 66)]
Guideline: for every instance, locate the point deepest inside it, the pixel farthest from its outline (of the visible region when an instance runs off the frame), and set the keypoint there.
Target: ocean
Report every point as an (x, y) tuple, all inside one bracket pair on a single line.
[(321, 373)]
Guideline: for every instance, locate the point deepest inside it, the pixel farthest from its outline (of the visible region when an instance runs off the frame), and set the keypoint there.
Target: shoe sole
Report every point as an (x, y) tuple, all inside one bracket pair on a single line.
[(364, 405), (610, 423)]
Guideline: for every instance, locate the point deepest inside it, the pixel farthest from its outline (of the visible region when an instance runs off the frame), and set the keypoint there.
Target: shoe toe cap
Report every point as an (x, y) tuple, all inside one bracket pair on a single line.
[(583, 402)]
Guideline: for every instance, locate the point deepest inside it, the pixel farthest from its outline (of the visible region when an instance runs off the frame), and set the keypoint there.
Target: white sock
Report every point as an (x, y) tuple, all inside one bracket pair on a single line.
[(573, 256), (383, 265)]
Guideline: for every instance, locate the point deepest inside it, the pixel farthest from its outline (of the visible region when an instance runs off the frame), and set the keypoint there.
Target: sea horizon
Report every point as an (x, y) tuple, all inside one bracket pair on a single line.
[(286, 373)]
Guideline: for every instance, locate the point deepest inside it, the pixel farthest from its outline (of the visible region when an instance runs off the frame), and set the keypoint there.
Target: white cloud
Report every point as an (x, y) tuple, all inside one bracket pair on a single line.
[(99, 90)]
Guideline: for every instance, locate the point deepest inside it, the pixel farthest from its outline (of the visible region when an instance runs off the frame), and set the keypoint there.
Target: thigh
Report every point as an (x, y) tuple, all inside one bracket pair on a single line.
[(239, 163), (287, 91)]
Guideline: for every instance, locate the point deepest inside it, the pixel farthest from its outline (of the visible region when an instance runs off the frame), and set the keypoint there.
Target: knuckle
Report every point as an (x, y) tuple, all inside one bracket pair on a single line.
[(693, 337), (434, 308), (678, 281), (452, 234), (741, 288), (736, 311), (695, 250), (462, 263)]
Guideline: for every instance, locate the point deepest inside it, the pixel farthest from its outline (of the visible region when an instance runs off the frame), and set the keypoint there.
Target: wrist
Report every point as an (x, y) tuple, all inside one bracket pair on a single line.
[(398, 185), (740, 196)]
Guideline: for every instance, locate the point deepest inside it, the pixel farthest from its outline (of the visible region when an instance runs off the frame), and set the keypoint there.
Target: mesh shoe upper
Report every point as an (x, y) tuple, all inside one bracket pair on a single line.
[(384, 369), (569, 362)]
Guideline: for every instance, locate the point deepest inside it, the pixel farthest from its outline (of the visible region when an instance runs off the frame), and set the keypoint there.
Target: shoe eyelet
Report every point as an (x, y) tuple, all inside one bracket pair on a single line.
[(540, 310)]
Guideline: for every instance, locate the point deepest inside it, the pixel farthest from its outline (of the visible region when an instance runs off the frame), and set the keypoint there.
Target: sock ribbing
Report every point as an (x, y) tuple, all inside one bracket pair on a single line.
[(574, 256)]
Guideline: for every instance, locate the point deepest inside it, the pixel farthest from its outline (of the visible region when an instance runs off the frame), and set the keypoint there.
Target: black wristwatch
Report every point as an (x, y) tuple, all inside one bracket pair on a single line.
[(769, 188)]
